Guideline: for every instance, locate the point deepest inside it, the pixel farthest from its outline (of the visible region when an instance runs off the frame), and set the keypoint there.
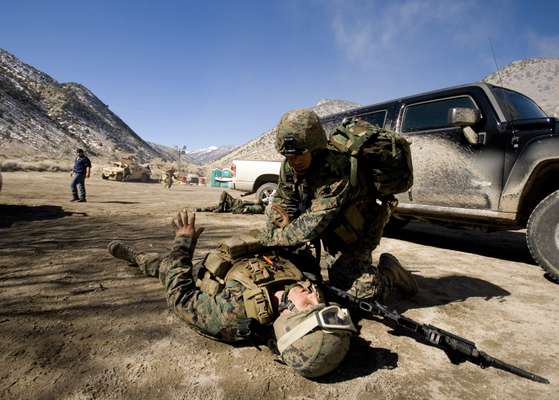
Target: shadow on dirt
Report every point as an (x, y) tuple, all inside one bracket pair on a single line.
[(505, 245), (117, 202), (361, 360), (11, 213), (448, 289)]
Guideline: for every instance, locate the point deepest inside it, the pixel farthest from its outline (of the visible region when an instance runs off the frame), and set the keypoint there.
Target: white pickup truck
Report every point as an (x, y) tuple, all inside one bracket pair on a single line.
[(260, 177)]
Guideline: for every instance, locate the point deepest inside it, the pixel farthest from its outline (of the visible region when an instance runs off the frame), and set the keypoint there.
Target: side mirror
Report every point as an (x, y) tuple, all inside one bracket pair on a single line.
[(463, 116)]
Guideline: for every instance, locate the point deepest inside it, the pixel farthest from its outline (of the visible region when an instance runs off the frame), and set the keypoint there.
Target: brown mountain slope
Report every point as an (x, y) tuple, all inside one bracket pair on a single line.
[(40, 115), (537, 78), (262, 148)]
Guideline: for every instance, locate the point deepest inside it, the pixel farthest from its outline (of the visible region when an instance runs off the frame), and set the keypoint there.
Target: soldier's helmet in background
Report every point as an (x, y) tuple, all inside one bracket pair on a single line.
[(299, 131), (318, 351)]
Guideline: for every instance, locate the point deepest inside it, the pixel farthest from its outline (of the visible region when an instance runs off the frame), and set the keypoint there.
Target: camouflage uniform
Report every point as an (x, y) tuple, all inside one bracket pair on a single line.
[(322, 204), (228, 203), (169, 176), (216, 315)]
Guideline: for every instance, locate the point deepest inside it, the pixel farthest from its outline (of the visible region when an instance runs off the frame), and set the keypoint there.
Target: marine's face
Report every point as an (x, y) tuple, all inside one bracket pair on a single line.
[(300, 162), (303, 299)]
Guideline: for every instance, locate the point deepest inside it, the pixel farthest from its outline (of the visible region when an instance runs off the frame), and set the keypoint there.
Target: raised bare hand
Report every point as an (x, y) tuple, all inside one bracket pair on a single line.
[(185, 225)]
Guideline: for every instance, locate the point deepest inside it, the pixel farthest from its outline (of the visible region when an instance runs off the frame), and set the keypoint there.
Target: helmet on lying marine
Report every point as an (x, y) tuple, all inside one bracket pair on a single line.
[(314, 341), (299, 131)]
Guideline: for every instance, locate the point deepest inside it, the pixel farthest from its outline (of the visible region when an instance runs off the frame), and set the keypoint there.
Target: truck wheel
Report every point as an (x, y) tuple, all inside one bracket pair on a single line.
[(103, 176), (265, 193), (543, 234)]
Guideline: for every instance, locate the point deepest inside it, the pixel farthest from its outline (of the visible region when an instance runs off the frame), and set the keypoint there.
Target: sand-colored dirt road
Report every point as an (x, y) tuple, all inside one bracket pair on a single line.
[(77, 324)]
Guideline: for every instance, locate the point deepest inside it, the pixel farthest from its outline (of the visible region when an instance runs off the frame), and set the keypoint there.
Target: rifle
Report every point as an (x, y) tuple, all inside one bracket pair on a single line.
[(457, 348)]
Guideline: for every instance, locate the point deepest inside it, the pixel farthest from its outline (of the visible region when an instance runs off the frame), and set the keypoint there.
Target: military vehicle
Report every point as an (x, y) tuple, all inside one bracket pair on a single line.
[(127, 169)]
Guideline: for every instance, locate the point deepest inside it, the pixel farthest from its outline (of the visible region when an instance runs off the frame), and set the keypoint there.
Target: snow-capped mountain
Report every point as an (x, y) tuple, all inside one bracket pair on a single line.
[(208, 154)]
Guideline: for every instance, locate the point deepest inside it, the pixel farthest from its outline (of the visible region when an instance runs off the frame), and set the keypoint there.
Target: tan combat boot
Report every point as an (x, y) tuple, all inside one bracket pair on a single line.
[(390, 267), (120, 250)]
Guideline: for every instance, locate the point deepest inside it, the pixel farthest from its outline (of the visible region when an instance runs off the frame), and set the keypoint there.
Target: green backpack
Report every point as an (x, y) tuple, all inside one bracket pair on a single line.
[(378, 156)]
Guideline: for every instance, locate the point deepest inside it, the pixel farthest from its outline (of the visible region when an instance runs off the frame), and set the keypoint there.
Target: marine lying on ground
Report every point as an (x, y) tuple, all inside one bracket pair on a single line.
[(228, 203), (127, 169)]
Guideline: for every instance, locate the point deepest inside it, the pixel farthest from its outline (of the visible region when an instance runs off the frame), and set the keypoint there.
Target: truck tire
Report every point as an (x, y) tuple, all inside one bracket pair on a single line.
[(265, 192), (543, 235)]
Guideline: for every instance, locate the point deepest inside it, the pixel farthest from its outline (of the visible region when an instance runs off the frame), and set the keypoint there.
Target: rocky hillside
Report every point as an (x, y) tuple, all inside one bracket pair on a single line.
[(262, 148), (39, 115), (536, 78)]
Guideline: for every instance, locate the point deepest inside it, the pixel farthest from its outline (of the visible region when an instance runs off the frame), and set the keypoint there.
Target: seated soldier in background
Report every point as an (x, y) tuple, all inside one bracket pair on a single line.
[(242, 288), (228, 203)]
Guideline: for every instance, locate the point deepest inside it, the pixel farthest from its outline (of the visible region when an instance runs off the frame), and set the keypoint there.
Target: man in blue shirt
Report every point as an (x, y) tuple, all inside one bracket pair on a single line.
[(82, 170)]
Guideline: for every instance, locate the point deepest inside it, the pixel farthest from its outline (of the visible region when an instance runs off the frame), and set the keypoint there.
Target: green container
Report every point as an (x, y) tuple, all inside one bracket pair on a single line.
[(216, 173)]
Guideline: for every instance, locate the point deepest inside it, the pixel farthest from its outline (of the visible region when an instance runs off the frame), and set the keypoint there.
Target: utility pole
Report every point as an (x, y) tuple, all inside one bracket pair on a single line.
[(179, 152)]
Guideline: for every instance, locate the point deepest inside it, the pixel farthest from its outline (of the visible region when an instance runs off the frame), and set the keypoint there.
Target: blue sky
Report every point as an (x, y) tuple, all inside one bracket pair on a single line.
[(201, 73)]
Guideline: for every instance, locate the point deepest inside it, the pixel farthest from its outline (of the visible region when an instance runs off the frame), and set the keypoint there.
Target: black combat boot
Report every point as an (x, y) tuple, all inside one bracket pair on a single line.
[(390, 268), (120, 250)]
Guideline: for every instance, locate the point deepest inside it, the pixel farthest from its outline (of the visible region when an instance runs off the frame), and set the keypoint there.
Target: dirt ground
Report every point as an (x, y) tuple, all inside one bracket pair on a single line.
[(77, 324)]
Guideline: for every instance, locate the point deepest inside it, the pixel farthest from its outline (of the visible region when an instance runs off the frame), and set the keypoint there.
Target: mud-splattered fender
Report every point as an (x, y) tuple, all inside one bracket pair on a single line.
[(544, 149)]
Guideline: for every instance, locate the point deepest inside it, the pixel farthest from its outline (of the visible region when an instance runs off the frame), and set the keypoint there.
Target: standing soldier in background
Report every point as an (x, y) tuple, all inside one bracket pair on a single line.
[(168, 178), (81, 171), (317, 198)]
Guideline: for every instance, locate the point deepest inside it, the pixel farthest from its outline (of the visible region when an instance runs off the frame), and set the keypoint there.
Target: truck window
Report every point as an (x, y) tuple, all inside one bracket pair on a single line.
[(432, 114), (377, 118), (517, 106)]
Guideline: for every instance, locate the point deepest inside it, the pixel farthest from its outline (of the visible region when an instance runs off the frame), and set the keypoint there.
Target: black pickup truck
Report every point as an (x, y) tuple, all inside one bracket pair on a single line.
[(484, 157)]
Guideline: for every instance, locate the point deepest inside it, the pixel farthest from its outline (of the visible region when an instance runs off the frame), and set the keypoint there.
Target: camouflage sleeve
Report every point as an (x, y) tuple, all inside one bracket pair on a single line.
[(216, 316), (311, 224), (286, 195)]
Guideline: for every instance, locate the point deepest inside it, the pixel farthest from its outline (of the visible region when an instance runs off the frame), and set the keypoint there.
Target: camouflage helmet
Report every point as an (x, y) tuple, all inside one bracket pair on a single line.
[(299, 131), (317, 352)]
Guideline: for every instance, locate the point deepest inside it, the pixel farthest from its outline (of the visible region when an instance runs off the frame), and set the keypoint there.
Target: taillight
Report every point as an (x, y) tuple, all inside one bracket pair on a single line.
[(234, 169)]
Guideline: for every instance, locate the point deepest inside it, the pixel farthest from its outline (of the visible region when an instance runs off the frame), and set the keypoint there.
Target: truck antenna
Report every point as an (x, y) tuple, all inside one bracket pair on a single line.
[(498, 71)]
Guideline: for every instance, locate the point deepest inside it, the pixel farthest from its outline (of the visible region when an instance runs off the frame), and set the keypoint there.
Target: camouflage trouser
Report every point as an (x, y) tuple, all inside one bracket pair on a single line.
[(228, 203), (353, 270), (216, 316)]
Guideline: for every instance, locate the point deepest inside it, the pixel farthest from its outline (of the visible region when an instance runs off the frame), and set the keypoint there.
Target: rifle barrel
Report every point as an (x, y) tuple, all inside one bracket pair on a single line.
[(495, 363)]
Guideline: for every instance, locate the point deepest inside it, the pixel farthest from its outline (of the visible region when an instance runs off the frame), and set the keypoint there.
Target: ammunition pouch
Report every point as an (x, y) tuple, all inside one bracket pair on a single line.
[(229, 262), (218, 262)]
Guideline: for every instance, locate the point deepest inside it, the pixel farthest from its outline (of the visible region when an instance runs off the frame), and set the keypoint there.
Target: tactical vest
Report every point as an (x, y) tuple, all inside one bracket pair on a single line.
[(239, 259)]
